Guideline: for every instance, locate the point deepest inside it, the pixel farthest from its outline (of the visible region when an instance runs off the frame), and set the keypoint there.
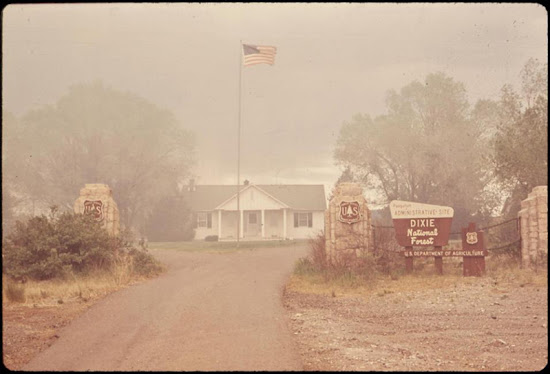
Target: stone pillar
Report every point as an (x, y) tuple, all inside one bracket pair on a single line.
[(348, 232), (97, 199), (534, 221)]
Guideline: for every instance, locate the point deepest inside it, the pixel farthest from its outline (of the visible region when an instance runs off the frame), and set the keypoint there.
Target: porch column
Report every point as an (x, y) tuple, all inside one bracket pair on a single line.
[(263, 224), (284, 223), (241, 218), (219, 224)]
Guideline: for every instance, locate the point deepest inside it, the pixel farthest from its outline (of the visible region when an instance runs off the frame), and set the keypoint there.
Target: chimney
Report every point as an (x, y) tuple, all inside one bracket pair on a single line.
[(246, 182)]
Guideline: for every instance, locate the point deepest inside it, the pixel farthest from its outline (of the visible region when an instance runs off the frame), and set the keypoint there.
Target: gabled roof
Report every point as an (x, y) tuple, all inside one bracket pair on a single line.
[(295, 196), (251, 186)]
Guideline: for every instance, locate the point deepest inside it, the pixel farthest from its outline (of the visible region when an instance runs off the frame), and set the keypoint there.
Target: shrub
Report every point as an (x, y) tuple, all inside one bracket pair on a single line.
[(318, 253), (144, 264), (43, 247), (352, 268), (211, 238), (304, 266), (58, 246)]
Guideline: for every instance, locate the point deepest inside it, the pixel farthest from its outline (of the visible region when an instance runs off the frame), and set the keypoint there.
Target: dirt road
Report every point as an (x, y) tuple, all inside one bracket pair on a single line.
[(210, 311)]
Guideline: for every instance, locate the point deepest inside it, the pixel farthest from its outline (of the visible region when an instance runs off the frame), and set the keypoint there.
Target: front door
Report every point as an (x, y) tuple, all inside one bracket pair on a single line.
[(253, 227)]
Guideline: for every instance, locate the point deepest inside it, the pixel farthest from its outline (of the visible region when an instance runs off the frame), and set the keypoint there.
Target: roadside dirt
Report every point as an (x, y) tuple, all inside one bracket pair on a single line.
[(28, 330), (471, 325)]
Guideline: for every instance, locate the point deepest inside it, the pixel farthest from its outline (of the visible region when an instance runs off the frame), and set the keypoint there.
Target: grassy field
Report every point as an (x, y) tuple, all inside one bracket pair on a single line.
[(223, 246)]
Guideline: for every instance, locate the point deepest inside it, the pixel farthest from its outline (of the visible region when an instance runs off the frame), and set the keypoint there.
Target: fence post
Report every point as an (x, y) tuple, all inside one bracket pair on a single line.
[(438, 261)]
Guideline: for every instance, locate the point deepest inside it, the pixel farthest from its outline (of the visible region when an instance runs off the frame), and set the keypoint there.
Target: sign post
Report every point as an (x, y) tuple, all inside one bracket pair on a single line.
[(438, 260), (409, 265), (473, 243)]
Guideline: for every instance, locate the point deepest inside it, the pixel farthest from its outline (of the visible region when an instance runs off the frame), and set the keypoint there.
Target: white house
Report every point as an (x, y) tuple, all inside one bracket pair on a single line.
[(265, 211)]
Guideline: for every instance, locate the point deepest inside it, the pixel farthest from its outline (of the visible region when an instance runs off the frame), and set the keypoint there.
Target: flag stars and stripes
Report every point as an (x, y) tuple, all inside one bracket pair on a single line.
[(258, 54)]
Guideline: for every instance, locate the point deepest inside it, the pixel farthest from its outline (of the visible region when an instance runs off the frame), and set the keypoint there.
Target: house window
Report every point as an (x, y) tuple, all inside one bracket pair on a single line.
[(204, 219), (303, 220), (252, 218)]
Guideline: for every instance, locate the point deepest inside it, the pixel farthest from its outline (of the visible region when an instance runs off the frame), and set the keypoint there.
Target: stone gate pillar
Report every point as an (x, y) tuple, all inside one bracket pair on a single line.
[(348, 232), (97, 199), (534, 225)]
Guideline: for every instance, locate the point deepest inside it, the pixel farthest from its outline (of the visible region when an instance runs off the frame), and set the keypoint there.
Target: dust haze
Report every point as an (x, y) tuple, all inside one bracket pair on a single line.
[(333, 61)]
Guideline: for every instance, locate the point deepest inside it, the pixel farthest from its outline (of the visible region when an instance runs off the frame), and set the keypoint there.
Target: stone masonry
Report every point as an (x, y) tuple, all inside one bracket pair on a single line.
[(97, 199), (344, 241), (534, 226)]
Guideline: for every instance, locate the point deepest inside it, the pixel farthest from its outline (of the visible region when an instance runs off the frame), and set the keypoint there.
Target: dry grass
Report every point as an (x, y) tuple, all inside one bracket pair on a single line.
[(54, 292), (424, 277), (385, 274), (82, 288), (379, 285), (13, 292)]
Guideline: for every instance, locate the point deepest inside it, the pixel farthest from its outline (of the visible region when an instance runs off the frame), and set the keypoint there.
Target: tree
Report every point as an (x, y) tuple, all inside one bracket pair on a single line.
[(171, 220), (521, 140), (425, 149), (11, 167), (346, 176), (95, 134)]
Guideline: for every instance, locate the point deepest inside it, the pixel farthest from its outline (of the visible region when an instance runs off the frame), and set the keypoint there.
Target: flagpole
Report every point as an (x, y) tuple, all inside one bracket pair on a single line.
[(239, 146)]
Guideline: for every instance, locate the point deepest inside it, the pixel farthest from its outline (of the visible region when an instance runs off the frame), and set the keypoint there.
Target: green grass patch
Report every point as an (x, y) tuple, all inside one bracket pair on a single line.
[(223, 246)]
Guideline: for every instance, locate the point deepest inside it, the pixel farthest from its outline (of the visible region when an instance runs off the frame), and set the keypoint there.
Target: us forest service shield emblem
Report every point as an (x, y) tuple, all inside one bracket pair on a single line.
[(95, 208), (349, 212), (471, 237)]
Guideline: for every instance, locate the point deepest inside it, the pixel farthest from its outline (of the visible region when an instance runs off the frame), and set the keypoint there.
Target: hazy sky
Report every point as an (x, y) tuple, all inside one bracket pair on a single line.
[(333, 61)]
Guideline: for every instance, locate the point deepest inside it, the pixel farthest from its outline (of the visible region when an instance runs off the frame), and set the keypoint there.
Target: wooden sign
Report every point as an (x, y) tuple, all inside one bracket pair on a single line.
[(443, 253), (421, 224)]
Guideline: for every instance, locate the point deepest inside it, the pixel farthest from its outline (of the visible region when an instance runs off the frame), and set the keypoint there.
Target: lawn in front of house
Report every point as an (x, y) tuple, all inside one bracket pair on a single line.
[(223, 246)]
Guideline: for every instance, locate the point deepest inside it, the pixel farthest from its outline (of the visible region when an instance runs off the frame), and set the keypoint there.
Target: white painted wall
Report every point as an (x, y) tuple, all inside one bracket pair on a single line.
[(229, 225), (273, 225), (318, 225), (203, 232), (252, 199)]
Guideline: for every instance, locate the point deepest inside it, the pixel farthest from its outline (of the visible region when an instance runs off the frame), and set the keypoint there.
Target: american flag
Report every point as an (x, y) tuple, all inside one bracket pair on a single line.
[(258, 54)]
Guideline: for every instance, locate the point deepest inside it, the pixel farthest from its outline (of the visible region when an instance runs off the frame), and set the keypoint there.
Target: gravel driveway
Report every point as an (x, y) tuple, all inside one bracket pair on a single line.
[(208, 312)]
